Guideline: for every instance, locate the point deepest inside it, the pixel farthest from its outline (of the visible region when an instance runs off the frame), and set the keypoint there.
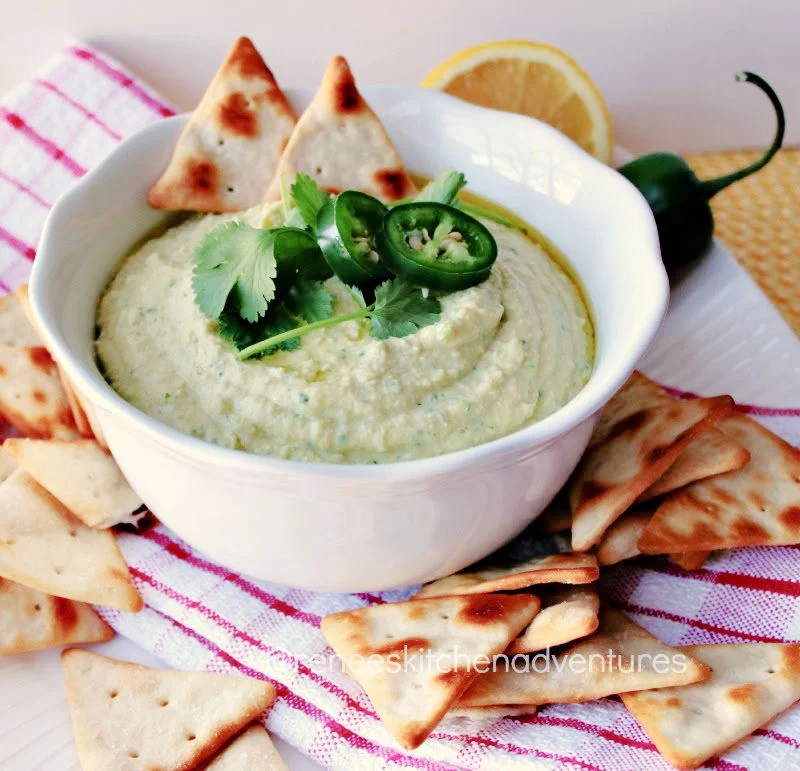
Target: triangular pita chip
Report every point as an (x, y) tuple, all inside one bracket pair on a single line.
[(567, 613), (750, 684), (711, 453), (621, 540), (341, 144), (619, 657), (82, 476), (31, 396), (229, 150), (554, 568), (252, 751), (42, 545), (690, 560), (15, 328), (129, 717), (642, 431), (415, 658), (31, 620), (755, 506)]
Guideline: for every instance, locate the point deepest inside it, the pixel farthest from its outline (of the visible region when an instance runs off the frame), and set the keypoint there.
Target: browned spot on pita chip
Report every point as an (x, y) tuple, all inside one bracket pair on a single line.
[(229, 150), (456, 633), (750, 684), (32, 398), (621, 656), (569, 568), (32, 620), (641, 433), (341, 144), (114, 706), (695, 518)]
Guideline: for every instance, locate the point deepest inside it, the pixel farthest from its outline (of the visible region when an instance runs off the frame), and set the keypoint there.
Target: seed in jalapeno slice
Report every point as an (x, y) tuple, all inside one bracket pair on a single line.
[(437, 246), (348, 229)]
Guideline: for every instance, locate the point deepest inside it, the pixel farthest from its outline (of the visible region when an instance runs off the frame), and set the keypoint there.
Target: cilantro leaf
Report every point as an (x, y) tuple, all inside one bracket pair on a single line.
[(304, 303), (235, 262), (309, 301), (309, 197), (401, 309), (443, 189)]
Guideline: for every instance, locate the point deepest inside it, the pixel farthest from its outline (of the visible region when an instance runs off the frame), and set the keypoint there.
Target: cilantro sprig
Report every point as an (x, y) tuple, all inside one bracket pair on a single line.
[(399, 309)]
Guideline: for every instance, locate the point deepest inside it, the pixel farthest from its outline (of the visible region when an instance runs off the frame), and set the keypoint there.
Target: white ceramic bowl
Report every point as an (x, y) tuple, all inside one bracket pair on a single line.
[(353, 527)]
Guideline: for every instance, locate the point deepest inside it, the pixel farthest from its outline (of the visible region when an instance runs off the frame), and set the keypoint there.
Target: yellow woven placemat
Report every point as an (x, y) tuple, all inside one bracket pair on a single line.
[(758, 219)]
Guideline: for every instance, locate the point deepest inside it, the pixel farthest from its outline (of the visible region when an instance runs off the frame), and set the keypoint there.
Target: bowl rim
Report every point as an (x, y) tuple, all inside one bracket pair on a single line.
[(528, 438)]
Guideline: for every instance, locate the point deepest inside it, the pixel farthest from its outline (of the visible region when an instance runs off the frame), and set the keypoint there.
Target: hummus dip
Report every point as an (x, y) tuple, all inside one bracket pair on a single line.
[(504, 353)]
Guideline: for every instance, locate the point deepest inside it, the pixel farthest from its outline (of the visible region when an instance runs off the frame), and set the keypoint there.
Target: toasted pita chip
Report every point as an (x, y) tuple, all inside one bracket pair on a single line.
[(619, 657), (31, 396), (554, 568), (31, 620), (690, 560), (341, 144), (567, 613), (78, 413), (641, 433), (710, 454), (83, 477), (228, 152), (129, 717), (757, 505), (15, 328), (492, 713), (621, 540), (42, 545), (557, 517), (252, 751), (446, 636), (750, 684)]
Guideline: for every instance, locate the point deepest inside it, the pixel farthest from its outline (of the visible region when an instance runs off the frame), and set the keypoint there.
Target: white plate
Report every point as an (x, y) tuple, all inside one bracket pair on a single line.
[(722, 335)]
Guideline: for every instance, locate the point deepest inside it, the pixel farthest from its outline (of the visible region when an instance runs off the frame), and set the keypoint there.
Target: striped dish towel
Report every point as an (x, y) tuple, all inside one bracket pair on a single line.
[(200, 615)]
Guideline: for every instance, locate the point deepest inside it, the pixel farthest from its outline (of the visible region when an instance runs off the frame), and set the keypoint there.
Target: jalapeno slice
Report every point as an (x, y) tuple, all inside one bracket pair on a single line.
[(348, 229), (437, 246)]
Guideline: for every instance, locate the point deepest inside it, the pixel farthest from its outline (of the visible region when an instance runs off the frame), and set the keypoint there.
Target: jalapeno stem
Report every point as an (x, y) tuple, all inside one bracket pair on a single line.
[(264, 345), (712, 186)]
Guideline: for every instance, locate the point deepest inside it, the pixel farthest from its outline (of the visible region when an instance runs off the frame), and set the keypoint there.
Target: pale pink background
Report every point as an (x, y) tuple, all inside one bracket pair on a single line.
[(666, 66)]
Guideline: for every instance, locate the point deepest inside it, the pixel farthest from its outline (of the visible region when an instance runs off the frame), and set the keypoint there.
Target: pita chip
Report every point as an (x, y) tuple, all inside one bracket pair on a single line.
[(78, 413), (756, 506), (711, 453), (621, 656), (229, 150), (15, 328), (129, 717), (567, 568), (641, 432), (690, 560), (492, 713), (450, 636), (567, 613), (252, 751), (621, 540), (750, 684), (31, 620), (31, 396), (83, 477), (44, 546), (342, 145), (7, 465)]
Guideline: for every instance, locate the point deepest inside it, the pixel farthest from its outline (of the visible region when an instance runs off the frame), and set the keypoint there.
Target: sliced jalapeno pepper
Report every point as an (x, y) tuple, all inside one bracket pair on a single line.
[(437, 246), (348, 229)]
